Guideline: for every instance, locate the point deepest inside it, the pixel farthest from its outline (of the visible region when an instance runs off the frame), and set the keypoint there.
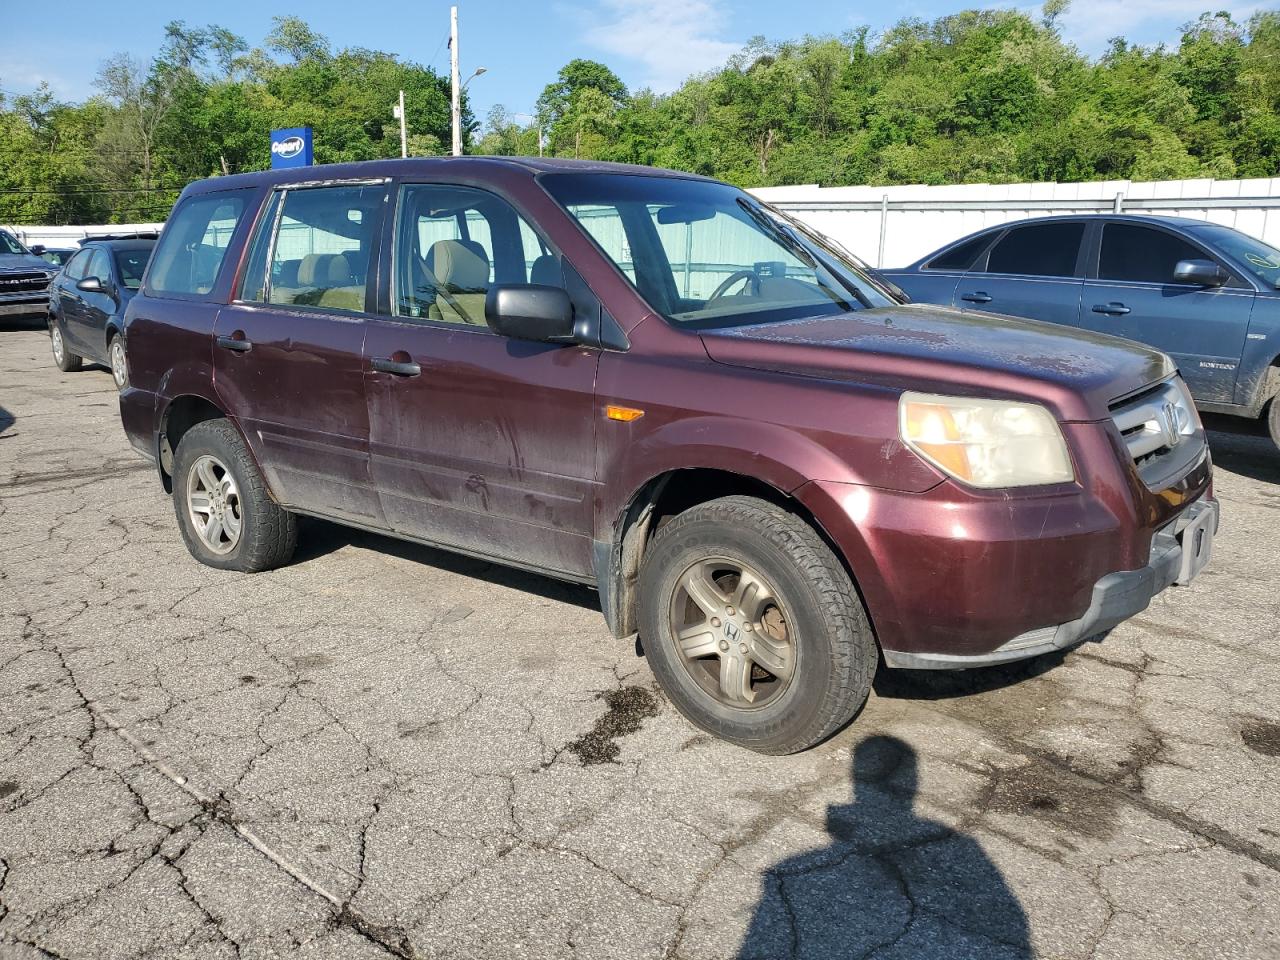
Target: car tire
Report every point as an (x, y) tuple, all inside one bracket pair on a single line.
[(224, 512), (1273, 421), (63, 358), (809, 652), (117, 361)]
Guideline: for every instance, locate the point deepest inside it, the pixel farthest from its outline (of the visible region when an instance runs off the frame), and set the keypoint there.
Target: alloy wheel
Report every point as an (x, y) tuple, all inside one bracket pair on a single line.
[(213, 502), (733, 633), (59, 348), (119, 366)]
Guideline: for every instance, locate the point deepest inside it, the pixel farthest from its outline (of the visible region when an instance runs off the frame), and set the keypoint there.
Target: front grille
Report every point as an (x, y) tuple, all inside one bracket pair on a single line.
[(1161, 431), (33, 282)]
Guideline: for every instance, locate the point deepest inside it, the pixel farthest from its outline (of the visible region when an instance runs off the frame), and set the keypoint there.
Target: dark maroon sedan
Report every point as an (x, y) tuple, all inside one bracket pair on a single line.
[(646, 382)]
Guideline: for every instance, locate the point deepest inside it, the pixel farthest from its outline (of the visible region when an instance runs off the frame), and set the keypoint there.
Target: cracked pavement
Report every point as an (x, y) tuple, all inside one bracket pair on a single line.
[(384, 750)]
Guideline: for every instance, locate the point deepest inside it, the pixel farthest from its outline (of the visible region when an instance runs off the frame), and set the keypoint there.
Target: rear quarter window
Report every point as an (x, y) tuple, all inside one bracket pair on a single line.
[(191, 251)]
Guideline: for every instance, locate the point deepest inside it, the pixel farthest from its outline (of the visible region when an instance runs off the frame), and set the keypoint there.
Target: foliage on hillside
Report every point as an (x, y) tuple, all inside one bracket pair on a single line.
[(981, 96)]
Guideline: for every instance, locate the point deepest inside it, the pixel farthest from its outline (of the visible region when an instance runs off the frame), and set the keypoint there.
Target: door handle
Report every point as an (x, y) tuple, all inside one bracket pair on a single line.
[(1112, 309), (236, 342), (401, 368), (978, 297)]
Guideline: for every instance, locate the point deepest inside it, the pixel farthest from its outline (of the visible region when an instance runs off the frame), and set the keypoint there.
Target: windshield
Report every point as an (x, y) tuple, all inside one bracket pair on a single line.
[(707, 255), (1260, 259), (9, 245)]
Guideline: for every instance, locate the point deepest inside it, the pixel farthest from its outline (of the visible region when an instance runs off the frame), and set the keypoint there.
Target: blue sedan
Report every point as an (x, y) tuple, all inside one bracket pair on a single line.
[(1205, 294), (87, 300)]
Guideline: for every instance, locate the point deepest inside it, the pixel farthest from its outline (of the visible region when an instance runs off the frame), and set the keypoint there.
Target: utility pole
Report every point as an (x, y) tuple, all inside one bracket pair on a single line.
[(404, 137), (456, 87)]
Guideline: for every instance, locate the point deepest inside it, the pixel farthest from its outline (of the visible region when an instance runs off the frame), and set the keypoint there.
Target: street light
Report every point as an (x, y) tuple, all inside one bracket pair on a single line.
[(479, 70)]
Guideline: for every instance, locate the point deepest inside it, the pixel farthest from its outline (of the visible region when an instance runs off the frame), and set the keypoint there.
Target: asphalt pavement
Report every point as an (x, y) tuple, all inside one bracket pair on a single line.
[(385, 750)]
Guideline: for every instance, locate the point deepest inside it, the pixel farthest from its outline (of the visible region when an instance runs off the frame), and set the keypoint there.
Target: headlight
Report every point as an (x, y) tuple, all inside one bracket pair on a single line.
[(986, 443)]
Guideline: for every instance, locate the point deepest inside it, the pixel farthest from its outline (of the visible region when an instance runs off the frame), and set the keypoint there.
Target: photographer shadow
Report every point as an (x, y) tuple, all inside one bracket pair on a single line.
[(890, 883)]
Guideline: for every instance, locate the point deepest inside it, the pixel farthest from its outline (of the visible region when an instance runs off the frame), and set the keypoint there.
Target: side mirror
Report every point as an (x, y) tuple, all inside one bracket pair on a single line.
[(530, 311), (91, 285), (38, 249), (1200, 273)]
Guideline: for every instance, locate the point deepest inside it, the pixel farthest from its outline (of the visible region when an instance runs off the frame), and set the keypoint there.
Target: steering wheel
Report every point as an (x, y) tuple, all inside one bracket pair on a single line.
[(733, 278)]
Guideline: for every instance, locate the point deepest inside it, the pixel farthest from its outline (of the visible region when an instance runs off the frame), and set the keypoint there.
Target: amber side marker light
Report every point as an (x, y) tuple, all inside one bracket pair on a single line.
[(623, 414)]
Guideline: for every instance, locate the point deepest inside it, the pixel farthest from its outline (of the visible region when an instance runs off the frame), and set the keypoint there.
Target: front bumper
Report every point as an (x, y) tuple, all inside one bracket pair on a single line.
[(1178, 553), (36, 306), (954, 577)]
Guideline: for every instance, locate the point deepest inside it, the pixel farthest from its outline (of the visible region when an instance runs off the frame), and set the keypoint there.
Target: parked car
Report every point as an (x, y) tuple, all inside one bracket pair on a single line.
[(24, 279), (640, 381), (87, 304), (58, 256), (1204, 293)]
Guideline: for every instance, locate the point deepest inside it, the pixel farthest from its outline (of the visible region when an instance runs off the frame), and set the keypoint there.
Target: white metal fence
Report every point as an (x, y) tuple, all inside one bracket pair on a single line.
[(893, 226)]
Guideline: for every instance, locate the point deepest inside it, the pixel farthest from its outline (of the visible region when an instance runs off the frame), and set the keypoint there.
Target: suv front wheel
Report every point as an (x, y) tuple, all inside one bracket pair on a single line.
[(752, 626), (224, 512)]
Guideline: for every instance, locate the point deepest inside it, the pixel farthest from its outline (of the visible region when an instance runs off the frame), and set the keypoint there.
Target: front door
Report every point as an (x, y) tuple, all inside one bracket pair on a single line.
[(1030, 272), (1135, 296), (478, 442), (288, 352)]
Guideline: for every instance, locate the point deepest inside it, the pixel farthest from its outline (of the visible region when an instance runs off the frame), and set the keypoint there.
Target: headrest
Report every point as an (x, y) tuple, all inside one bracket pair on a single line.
[(546, 270), (325, 270), (457, 264)]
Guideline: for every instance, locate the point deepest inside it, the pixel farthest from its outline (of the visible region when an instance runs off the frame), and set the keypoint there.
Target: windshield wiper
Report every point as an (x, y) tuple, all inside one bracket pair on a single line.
[(771, 226)]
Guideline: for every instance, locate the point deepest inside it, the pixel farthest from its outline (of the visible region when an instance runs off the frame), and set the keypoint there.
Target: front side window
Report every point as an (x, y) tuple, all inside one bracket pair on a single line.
[(99, 266), (323, 239), (1142, 255), (190, 252), (1260, 259), (705, 254), (76, 267), (453, 243), (1038, 250)]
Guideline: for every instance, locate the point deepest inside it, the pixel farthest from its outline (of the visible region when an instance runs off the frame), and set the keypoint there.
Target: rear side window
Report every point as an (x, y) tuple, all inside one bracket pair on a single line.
[(194, 244), (960, 257), (130, 265), (1141, 254), (321, 240), (1038, 250)]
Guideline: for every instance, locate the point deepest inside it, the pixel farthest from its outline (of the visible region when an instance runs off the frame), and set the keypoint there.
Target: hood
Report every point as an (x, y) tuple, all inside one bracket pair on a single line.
[(25, 263), (1077, 373)]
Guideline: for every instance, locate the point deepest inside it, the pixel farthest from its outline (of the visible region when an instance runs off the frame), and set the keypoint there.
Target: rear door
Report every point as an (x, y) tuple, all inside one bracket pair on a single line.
[(476, 441), (1134, 295), (287, 350), (1032, 271)]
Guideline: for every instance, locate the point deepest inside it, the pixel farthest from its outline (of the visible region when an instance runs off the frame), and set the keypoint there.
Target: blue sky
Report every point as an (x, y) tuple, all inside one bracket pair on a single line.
[(648, 42)]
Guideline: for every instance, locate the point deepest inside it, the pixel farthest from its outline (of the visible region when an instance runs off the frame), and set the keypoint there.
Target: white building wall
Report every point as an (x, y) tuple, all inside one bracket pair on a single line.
[(917, 219)]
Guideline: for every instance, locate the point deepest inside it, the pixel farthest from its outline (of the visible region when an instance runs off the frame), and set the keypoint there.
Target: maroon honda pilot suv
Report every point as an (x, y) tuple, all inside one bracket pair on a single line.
[(649, 382)]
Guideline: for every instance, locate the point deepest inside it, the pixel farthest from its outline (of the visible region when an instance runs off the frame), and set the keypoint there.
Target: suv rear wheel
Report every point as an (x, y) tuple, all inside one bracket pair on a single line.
[(65, 360), (225, 515), (1273, 421), (752, 626)]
